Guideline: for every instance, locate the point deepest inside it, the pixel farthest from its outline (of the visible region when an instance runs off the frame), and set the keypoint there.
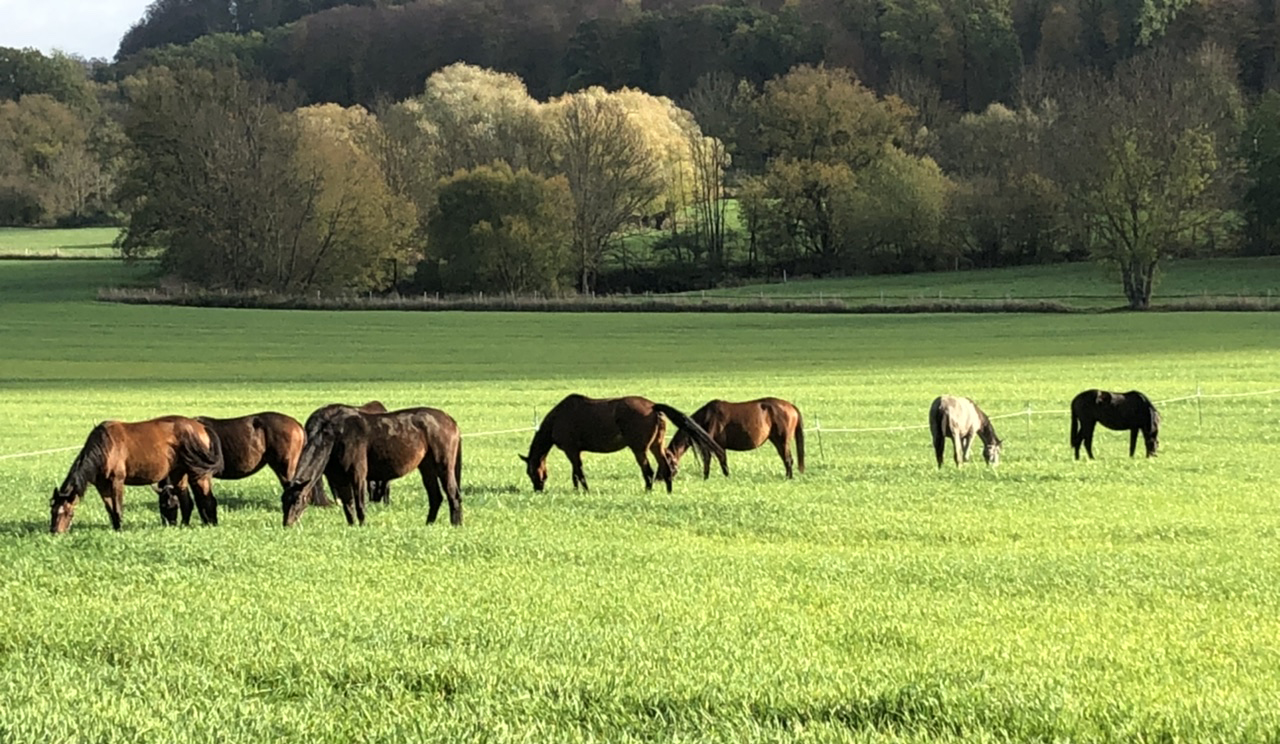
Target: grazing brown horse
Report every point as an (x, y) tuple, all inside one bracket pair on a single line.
[(580, 424), (1118, 411), (959, 419), (249, 443), (351, 447), (118, 454), (741, 427)]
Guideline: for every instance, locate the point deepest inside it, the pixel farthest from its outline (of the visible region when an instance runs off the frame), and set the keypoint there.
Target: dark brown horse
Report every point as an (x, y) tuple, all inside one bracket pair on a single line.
[(379, 491), (1118, 411), (580, 424), (741, 427), (249, 443), (118, 454), (960, 419), (351, 448)]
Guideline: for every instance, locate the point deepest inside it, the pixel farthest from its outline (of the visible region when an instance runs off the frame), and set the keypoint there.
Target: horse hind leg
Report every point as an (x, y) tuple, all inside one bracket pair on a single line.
[(784, 451), (664, 470), (575, 461), (206, 504), (1133, 442), (646, 470), (453, 488), (434, 495)]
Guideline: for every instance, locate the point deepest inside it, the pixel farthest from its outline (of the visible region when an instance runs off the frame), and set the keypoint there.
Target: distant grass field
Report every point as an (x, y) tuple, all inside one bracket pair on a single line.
[(875, 598), (78, 242), (1080, 284)]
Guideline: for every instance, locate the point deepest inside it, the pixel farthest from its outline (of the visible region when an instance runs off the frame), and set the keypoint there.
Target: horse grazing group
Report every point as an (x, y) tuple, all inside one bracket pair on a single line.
[(359, 450)]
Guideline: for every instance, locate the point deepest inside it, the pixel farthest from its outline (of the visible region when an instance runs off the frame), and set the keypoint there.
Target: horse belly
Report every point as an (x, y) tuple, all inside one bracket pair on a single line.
[(739, 438), (389, 464), (603, 445), (146, 473)]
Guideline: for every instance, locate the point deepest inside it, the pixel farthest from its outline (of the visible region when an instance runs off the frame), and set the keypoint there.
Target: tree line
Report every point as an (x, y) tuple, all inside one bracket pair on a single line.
[(1135, 134)]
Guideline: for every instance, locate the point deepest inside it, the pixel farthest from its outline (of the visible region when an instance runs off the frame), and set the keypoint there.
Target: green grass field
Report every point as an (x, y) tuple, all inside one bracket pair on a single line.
[(80, 242), (1080, 284), (875, 598)]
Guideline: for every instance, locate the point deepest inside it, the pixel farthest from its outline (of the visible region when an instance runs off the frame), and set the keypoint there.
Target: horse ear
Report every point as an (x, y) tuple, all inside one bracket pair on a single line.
[(522, 457)]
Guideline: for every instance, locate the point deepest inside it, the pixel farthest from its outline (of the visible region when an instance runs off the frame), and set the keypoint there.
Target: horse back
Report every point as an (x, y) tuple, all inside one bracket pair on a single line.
[(145, 452), (602, 424), (954, 414)]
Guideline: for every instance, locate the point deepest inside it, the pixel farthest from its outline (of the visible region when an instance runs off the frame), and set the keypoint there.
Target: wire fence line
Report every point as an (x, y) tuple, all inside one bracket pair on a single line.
[(1028, 412)]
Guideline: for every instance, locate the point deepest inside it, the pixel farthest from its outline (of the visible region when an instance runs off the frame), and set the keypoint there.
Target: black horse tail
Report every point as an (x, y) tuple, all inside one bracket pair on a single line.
[(705, 445), (200, 460), (1075, 429), (457, 467), (799, 441)]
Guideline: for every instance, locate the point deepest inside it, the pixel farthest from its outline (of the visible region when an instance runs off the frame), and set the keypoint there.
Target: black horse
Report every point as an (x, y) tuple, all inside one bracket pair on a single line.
[(1118, 411)]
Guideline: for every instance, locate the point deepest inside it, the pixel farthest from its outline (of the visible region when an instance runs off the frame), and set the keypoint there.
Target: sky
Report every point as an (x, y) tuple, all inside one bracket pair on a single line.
[(89, 28)]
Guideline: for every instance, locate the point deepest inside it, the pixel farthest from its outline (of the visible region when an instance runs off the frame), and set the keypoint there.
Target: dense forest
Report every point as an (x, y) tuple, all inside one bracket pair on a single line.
[(517, 146)]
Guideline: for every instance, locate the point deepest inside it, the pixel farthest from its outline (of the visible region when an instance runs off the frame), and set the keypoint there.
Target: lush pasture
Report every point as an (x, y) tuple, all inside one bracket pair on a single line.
[(873, 599), (78, 242), (1082, 284)]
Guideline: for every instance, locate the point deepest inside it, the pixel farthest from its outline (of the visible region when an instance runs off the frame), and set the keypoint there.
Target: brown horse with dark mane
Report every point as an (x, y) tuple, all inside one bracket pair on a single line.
[(580, 424), (118, 454), (250, 443), (742, 427), (351, 448), (1118, 411)]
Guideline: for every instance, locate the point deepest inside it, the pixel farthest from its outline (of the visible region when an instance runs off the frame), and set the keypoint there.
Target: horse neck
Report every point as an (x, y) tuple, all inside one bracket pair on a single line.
[(88, 463), (541, 443), (987, 432)]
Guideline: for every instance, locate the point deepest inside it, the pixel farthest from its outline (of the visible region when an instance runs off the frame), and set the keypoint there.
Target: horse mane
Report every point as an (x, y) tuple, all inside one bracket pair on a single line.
[(541, 443), (89, 462), (985, 429)]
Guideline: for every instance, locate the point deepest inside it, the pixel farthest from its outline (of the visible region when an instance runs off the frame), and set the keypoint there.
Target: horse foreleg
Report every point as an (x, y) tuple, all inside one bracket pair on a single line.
[(575, 461), (346, 496), (113, 499), (957, 449), (434, 496)]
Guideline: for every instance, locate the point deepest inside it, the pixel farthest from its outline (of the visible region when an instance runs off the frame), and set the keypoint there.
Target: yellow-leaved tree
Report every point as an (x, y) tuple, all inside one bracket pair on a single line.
[(355, 232)]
